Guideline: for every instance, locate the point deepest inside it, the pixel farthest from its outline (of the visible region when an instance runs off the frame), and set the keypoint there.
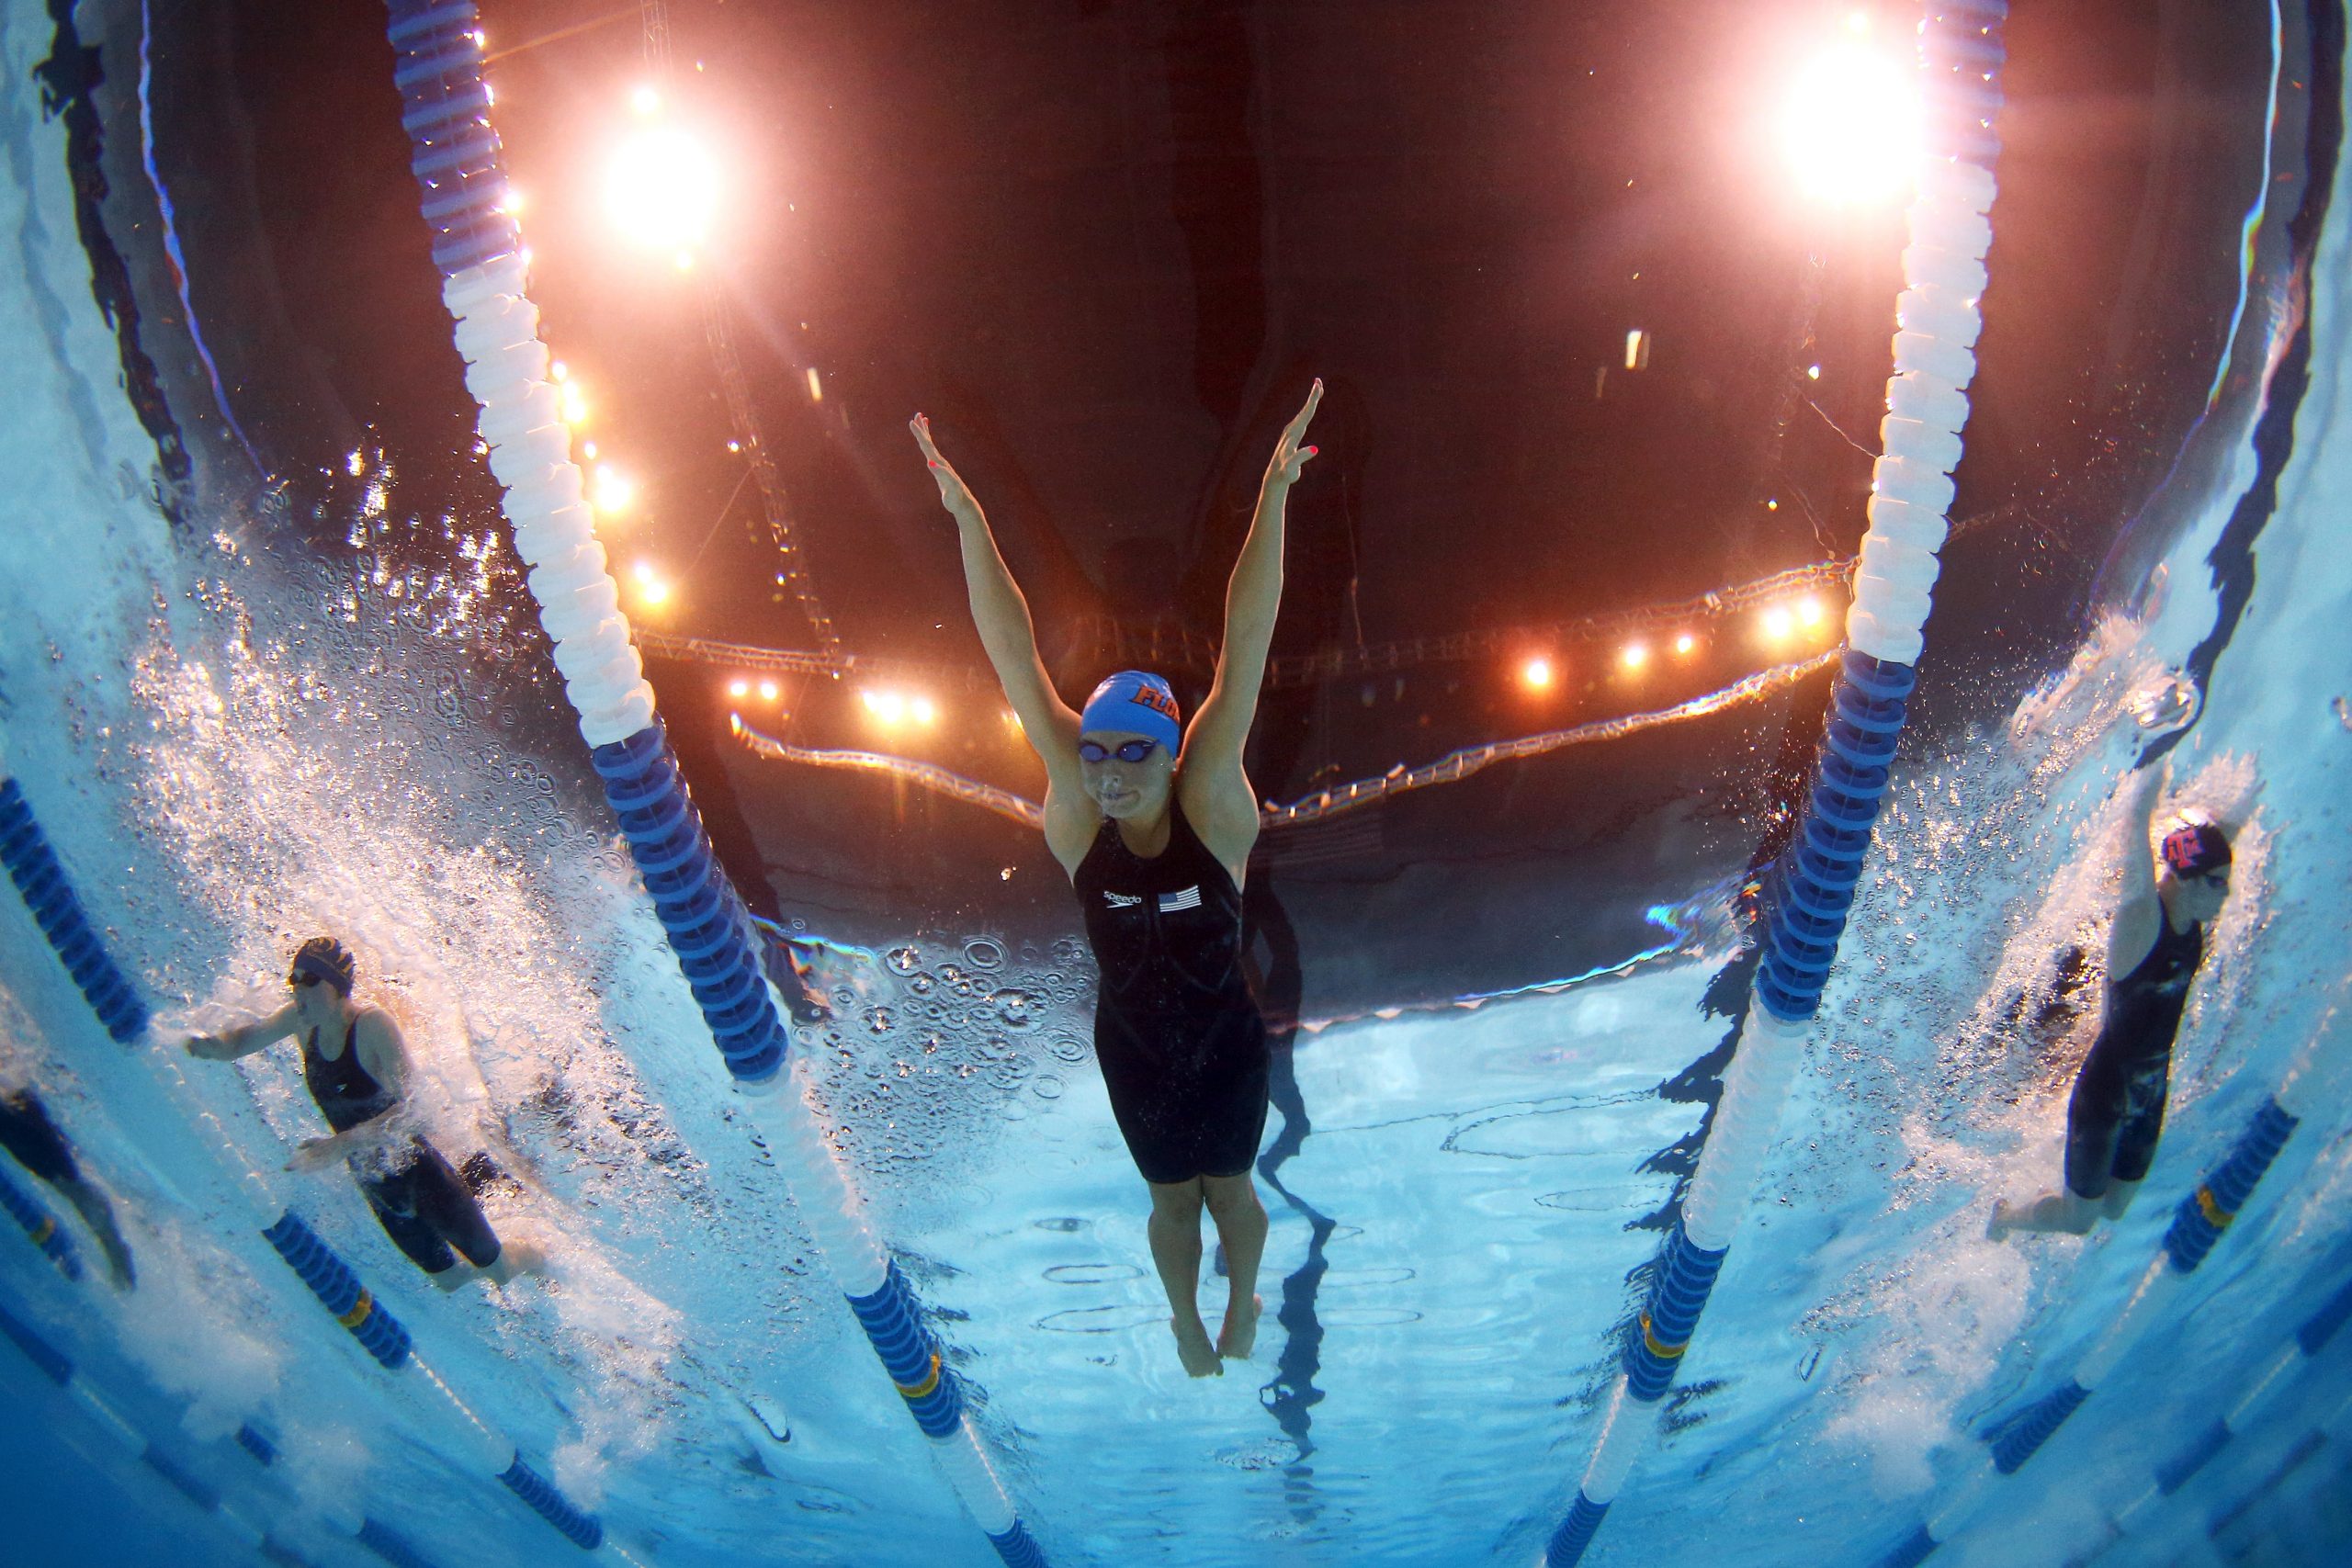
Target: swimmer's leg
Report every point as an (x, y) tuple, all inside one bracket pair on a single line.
[(1175, 1233), (2095, 1113), (445, 1204), (99, 1216), (2119, 1194), (1241, 1223)]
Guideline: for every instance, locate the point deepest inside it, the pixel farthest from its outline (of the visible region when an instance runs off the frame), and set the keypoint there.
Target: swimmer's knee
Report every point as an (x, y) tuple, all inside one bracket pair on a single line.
[(1230, 1194), (1176, 1197)]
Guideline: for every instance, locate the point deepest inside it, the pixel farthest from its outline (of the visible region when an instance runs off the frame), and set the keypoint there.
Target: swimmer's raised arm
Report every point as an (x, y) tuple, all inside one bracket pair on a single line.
[(1006, 631), (1254, 598), (1002, 614), (2139, 916), (244, 1039)]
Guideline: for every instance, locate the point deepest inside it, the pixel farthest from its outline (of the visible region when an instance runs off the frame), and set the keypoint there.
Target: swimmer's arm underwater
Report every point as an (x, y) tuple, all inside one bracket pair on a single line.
[(244, 1039), (2139, 915)]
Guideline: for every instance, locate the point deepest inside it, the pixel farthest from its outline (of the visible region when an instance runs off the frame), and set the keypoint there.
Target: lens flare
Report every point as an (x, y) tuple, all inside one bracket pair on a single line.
[(608, 492), (1850, 124), (662, 189)]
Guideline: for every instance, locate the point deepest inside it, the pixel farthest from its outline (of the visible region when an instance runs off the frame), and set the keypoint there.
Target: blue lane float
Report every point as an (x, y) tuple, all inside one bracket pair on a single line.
[(41, 1227), (1810, 891), (337, 1286), (478, 248), (47, 892), (579, 1527)]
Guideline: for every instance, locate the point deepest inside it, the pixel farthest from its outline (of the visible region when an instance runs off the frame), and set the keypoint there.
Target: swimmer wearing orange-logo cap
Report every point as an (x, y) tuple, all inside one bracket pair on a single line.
[(1154, 821)]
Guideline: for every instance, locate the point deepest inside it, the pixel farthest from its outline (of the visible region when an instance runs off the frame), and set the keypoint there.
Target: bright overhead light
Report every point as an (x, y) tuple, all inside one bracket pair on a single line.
[(1777, 624), (662, 189), (739, 687), (649, 586), (1536, 672), (1634, 655), (767, 690), (1850, 124), (608, 492), (1809, 611), (1685, 643)]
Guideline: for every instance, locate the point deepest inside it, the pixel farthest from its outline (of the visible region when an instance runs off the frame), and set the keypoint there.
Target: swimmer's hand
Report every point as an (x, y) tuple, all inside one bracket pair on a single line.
[(1290, 453), (208, 1048), (2167, 705), (954, 493)]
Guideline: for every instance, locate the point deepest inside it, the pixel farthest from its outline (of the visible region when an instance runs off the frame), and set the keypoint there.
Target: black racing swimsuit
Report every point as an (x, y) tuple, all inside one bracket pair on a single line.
[(2117, 1107), (1180, 1038), (423, 1204)]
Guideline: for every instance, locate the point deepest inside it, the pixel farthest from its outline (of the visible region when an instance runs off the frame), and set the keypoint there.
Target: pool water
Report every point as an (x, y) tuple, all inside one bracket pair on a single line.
[(234, 740)]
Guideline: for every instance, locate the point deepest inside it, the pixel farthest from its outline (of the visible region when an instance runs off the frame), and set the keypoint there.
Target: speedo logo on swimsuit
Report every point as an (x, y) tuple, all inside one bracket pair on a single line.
[(1167, 903)]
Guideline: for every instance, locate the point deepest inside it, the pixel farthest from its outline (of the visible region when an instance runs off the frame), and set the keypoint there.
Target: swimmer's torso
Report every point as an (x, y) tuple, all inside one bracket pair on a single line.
[(347, 1094), (1167, 931), (2143, 1007), (1179, 1037)]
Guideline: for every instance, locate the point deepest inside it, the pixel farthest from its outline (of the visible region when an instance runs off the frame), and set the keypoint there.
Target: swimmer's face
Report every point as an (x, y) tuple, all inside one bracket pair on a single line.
[(2199, 896), (1125, 786), (315, 1001)]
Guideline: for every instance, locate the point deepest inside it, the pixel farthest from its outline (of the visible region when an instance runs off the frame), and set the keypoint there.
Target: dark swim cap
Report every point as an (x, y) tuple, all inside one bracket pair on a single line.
[(1136, 702), (2196, 846), (329, 960)]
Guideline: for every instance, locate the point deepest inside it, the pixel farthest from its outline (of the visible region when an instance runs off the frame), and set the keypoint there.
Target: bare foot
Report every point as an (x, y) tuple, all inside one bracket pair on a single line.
[(1997, 1227), (1239, 1335), (1195, 1350)]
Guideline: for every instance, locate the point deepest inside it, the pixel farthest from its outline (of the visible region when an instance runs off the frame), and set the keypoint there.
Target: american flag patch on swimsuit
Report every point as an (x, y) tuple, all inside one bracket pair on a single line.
[(1188, 898)]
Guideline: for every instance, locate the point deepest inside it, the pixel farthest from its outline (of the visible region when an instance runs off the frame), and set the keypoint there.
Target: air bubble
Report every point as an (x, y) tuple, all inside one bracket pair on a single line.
[(905, 959), (984, 953)]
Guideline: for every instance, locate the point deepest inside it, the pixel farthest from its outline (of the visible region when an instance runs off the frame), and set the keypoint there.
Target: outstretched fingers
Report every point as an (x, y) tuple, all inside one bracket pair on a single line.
[(1290, 456)]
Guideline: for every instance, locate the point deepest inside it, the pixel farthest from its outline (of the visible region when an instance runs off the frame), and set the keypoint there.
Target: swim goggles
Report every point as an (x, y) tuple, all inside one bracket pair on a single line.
[(1127, 752)]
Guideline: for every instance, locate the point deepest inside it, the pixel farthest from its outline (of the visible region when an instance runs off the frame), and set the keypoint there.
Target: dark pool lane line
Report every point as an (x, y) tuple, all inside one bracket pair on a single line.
[(2233, 558)]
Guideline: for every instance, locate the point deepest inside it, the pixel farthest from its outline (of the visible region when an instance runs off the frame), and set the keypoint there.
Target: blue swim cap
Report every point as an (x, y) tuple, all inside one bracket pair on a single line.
[(1134, 702)]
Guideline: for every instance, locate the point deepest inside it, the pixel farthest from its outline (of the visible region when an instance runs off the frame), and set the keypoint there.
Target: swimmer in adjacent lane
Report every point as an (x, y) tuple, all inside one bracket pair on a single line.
[(2154, 951), (358, 1070), (34, 1141), (1154, 823)]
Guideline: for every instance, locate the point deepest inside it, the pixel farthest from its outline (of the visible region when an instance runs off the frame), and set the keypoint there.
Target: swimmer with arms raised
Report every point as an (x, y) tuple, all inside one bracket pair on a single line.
[(1153, 822), (2153, 950), (357, 1068)]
